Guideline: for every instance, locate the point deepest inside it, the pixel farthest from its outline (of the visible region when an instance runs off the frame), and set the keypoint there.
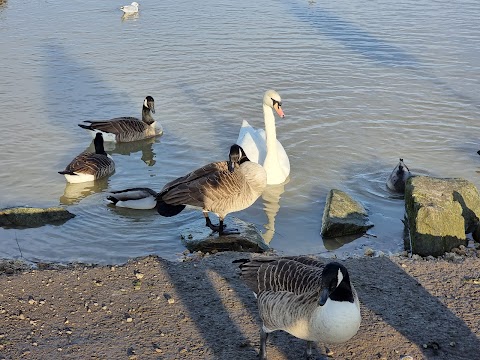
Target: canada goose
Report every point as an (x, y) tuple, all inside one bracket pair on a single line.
[(134, 198), (215, 189), (130, 9), (262, 146), (125, 129), (397, 179), (90, 166), (145, 198), (304, 297)]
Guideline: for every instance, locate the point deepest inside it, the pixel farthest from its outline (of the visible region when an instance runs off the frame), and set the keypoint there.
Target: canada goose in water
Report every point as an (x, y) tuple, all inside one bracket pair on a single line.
[(134, 198), (90, 166), (130, 9), (304, 297), (126, 129), (397, 179), (262, 146), (219, 188), (146, 198)]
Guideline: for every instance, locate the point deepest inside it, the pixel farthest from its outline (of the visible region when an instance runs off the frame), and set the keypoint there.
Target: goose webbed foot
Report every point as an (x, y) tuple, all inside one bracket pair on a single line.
[(220, 228)]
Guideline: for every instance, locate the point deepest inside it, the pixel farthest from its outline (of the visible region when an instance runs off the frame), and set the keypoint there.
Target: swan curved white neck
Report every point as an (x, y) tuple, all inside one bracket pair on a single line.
[(271, 159)]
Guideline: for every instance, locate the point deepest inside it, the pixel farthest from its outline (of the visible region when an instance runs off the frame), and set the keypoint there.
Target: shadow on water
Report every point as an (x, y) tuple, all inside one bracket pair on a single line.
[(74, 92), (353, 37), (373, 48)]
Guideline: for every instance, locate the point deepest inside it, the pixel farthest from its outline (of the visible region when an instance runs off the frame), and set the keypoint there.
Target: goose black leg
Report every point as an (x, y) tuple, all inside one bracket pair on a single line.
[(263, 344), (309, 351)]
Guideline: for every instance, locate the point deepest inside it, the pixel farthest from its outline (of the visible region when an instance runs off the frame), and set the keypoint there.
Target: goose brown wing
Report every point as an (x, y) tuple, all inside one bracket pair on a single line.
[(119, 125), (90, 163), (212, 186), (294, 274), (200, 173)]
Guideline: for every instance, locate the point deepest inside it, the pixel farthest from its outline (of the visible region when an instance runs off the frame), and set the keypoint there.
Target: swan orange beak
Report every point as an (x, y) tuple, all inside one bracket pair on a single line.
[(279, 110)]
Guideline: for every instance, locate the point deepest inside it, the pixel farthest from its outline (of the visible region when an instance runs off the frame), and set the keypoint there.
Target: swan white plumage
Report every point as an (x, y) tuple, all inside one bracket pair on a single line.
[(262, 146)]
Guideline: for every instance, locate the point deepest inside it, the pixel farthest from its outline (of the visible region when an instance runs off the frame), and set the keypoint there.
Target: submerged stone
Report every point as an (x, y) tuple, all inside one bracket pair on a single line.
[(198, 237), (27, 217), (343, 216)]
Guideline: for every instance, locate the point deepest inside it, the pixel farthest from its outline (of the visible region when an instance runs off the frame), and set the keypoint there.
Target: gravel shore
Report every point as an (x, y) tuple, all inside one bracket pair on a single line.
[(150, 308)]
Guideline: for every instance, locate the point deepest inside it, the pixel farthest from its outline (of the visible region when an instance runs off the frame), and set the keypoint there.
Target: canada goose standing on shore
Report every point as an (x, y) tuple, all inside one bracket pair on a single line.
[(126, 129), (221, 191), (90, 166), (304, 297)]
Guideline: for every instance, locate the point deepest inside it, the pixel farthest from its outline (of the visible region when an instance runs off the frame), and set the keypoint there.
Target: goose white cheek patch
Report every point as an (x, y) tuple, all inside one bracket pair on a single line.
[(339, 277)]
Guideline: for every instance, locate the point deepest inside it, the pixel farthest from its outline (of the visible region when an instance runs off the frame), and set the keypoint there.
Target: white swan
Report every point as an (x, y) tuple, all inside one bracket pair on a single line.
[(262, 146)]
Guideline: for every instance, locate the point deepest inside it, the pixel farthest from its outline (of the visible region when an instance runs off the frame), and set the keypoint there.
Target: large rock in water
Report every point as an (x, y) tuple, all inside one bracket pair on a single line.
[(33, 217), (439, 213), (343, 216), (198, 237)]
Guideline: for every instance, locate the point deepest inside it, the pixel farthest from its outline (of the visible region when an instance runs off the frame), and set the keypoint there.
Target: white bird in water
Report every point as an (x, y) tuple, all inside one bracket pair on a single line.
[(130, 9)]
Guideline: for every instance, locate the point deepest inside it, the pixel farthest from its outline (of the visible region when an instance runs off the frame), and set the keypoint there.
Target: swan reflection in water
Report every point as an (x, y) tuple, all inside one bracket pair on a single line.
[(74, 193), (128, 148), (271, 204)]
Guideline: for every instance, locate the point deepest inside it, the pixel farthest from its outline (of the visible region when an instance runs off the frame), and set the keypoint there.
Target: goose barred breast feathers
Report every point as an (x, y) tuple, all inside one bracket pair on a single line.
[(304, 297)]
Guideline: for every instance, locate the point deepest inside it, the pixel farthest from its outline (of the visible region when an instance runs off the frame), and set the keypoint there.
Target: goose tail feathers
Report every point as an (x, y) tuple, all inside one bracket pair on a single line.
[(87, 127), (65, 172), (168, 210)]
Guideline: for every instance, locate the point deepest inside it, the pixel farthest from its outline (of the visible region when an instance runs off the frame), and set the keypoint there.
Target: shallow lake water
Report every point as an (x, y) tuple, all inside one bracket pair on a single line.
[(362, 84)]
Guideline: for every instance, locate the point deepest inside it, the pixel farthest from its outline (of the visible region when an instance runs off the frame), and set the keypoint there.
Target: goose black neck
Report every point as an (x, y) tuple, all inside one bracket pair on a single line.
[(98, 143), (343, 292)]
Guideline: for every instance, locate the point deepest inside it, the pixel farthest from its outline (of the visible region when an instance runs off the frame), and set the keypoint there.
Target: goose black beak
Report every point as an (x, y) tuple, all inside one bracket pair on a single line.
[(231, 166), (323, 297)]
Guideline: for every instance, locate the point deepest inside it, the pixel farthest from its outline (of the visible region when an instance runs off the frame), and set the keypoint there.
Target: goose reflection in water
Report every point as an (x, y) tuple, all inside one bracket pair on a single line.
[(271, 205), (74, 193), (128, 148)]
